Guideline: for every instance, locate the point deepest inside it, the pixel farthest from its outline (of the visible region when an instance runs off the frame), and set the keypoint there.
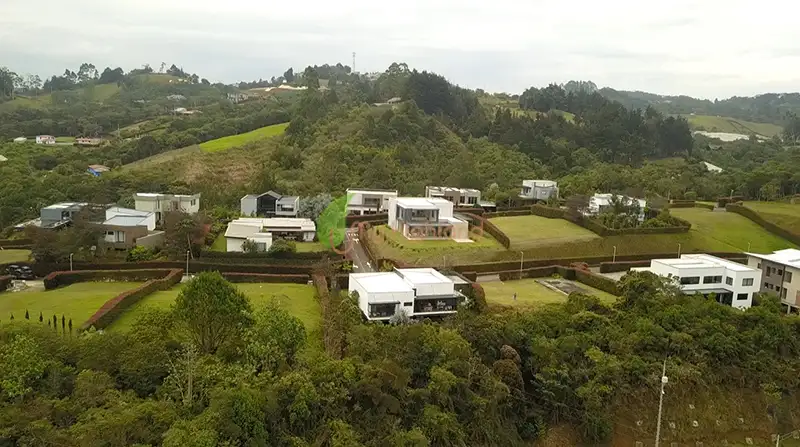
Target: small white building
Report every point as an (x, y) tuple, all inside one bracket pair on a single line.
[(599, 203), (712, 168), (426, 218), (20, 140), (419, 292), (265, 231), (116, 214), (369, 201), (461, 197), (779, 271), (161, 204), (733, 284), (125, 228), (45, 139), (539, 189)]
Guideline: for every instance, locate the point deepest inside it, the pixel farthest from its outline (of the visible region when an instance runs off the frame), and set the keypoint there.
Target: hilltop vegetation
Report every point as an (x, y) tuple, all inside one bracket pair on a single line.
[(732, 125)]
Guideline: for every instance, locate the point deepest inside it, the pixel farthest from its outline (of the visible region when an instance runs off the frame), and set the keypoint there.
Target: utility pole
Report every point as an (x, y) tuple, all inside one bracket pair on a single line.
[(661, 401), (354, 61), (521, 261)]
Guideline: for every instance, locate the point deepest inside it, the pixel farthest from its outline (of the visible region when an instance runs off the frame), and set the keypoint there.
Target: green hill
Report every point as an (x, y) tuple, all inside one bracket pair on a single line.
[(221, 144), (732, 125)]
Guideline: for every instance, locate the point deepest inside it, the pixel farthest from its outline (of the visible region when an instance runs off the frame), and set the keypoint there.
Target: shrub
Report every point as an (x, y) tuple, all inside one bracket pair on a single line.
[(282, 248), (249, 246), (5, 281), (546, 211), (690, 195), (139, 253), (769, 226), (59, 279), (236, 277)]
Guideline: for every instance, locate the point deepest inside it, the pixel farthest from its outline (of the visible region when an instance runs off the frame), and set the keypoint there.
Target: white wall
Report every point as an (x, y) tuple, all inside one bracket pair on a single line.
[(234, 245), (393, 213), (146, 205), (248, 206), (186, 206), (445, 209)]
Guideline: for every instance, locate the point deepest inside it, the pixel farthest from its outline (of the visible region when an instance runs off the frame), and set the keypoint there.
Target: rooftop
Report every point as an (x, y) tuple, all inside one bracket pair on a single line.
[(386, 282), (290, 223), (158, 195), (371, 191), (242, 230), (65, 205), (697, 261), (444, 189), (126, 221), (115, 210), (540, 182), (422, 203), (423, 276), (789, 256)]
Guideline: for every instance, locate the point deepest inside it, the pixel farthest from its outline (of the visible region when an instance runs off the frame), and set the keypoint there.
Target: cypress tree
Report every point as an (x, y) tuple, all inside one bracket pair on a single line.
[(27, 317)]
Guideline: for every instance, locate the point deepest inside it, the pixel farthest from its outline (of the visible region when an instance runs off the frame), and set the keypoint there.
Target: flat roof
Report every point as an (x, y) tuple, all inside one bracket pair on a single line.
[(424, 276), (377, 282), (450, 189), (126, 221), (242, 230), (703, 261), (372, 191), (155, 195), (541, 182), (421, 203), (788, 256), (128, 211), (65, 205), (298, 223)]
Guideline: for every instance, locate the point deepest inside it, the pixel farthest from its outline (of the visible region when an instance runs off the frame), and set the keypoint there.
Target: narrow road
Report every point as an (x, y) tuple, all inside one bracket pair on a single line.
[(356, 253)]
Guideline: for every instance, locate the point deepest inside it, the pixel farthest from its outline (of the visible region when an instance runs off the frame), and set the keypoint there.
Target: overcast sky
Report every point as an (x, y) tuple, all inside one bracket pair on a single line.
[(710, 49)]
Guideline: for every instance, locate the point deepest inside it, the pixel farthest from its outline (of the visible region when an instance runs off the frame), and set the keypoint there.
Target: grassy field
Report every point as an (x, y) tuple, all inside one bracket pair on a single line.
[(65, 139), (78, 301), (531, 294), (298, 299), (731, 229), (784, 215), (221, 144), (7, 256), (732, 125), (393, 245), (534, 231)]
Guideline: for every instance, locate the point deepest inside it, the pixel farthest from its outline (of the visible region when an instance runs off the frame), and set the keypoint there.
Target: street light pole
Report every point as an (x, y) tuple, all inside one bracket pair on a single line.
[(614, 256), (679, 250), (664, 381), (521, 260), (70, 262), (187, 262)]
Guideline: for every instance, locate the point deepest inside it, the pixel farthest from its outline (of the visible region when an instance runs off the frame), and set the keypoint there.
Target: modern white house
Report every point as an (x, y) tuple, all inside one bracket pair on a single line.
[(460, 197), (426, 218), (45, 139), (165, 203), (124, 228), (264, 231), (419, 292), (269, 204), (539, 189), (733, 284), (369, 201), (601, 202), (780, 274)]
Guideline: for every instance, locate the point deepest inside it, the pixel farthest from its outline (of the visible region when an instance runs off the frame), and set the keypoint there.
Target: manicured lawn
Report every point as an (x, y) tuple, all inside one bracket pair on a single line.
[(732, 125), (531, 294), (533, 231), (309, 247), (219, 243), (78, 301), (784, 215), (298, 299), (65, 139), (733, 230), (7, 256), (221, 144), (391, 244)]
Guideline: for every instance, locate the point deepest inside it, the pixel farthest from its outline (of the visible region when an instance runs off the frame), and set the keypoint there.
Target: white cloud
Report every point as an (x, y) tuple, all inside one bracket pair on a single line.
[(710, 49)]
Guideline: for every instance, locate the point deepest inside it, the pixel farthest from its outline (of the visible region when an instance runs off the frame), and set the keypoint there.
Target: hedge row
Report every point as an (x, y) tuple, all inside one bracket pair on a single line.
[(514, 213), (114, 307), (373, 218), (237, 277), (43, 269), (599, 282), (611, 267), (366, 244), (484, 268), (722, 202), (5, 281), (683, 204), (490, 228), (13, 243), (707, 206), (59, 279), (602, 230), (769, 226), (548, 212), (288, 258)]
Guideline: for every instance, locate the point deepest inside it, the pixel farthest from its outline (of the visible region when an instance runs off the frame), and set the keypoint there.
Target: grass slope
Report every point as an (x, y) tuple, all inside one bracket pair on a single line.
[(531, 294), (784, 215), (298, 299), (221, 144), (78, 301), (393, 245), (732, 125), (534, 231), (8, 256), (731, 229), (96, 93)]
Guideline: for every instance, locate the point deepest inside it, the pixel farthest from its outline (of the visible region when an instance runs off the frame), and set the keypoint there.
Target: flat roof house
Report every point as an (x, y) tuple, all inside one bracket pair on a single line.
[(539, 189), (125, 228), (599, 203), (734, 284), (59, 215), (45, 139), (269, 204), (460, 197), (97, 170), (781, 275), (419, 292), (165, 203), (265, 231), (426, 218), (369, 201)]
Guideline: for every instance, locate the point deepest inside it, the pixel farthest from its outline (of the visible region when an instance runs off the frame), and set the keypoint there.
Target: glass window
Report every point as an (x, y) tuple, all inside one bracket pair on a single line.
[(712, 279), (408, 304), (759, 266), (741, 296), (784, 292), (788, 277), (747, 282), (729, 280), (780, 272), (690, 280)]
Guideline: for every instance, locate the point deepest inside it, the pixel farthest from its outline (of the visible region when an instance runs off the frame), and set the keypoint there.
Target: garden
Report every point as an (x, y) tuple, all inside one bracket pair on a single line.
[(782, 214), (737, 232), (534, 231), (390, 244), (531, 294), (8, 256)]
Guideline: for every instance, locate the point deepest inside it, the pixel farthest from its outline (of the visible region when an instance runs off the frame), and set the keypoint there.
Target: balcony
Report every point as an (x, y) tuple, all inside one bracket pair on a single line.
[(435, 305), (384, 310)]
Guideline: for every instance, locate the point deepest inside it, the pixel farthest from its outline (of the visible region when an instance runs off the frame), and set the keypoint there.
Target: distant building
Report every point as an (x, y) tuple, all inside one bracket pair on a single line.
[(264, 231), (460, 197), (125, 228), (732, 283), (369, 201), (20, 140), (539, 189), (395, 100), (161, 204), (176, 97), (426, 218), (2, 159), (781, 274), (712, 168), (83, 141), (97, 170), (418, 292), (59, 215), (45, 139), (238, 97), (599, 203), (269, 204)]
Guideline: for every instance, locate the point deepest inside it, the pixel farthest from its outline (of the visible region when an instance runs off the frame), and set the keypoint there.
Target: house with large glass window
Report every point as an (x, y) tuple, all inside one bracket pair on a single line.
[(420, 218), (781, 275), (460, 197), (417, 292), (732, 283)]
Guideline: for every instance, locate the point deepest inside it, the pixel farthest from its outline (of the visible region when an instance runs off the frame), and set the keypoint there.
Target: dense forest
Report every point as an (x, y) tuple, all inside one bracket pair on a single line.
[(476, 379)]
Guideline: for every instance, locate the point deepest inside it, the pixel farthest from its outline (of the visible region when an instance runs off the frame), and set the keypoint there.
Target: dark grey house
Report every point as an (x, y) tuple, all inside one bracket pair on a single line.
[(269, 204)]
